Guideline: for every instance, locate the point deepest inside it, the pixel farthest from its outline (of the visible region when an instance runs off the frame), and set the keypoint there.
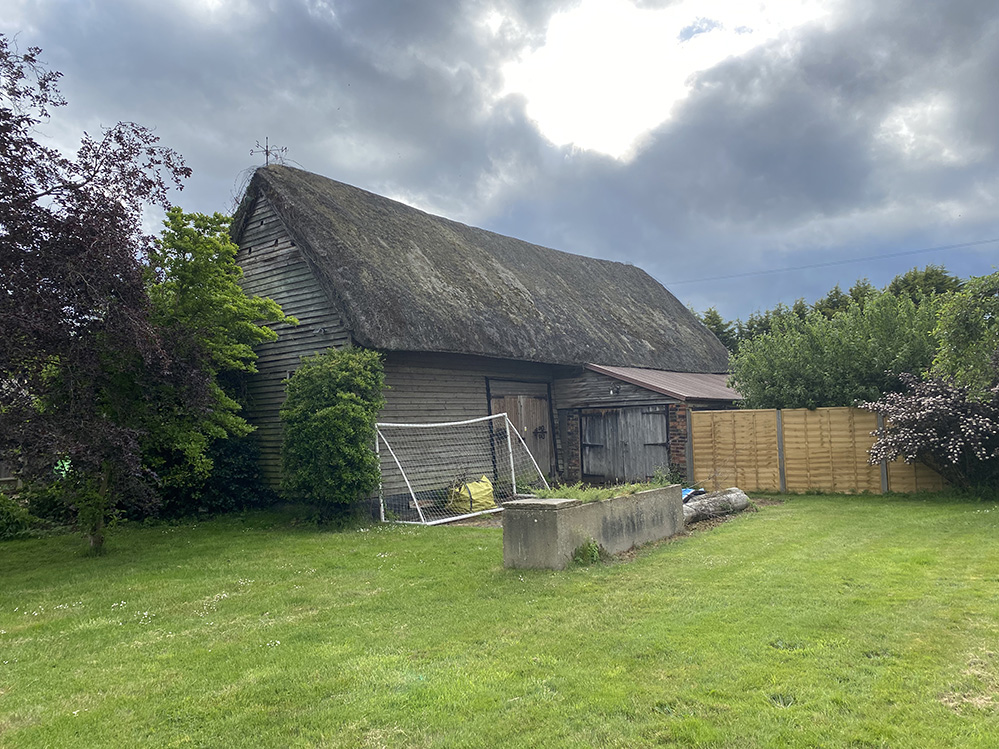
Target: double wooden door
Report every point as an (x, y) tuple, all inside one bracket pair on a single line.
[(624, 444)]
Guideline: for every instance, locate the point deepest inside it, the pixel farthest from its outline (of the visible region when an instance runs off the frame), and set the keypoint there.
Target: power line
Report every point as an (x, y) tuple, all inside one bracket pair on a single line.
[(828, 263)]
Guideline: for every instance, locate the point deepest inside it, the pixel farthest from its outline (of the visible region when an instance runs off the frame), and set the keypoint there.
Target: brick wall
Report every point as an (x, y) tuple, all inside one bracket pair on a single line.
[(678, 435)]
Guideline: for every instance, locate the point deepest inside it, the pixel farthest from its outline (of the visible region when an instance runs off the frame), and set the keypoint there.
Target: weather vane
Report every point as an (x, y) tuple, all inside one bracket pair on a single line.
[(277, 152)]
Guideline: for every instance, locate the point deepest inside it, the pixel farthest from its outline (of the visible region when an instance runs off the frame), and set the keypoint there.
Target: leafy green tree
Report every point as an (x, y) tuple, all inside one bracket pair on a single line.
[(782, 365), (915, 284), (193, 285), (833, 303), (724, 330), (968, 332), (820, 361), (759, 323), (949, 420), (931, 280), (861, 291), (329, 428)]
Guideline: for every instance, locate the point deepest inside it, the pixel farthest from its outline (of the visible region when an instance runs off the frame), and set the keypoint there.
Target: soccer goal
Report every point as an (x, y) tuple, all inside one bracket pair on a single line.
[(436, 473)]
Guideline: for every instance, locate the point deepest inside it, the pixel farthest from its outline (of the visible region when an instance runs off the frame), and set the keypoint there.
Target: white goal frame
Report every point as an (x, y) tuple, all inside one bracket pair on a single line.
[(520, 447)]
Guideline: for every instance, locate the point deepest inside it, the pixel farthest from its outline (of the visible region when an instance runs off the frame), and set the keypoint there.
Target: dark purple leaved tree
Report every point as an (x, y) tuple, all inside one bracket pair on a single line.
[(82, 369), (936, 422)]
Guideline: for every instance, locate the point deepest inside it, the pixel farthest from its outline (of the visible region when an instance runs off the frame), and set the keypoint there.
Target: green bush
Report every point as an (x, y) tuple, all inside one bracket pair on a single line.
[(233, 485), (48, 502), (14, 519), (329, 429), (669, 474), (587, 553), (818, 361)]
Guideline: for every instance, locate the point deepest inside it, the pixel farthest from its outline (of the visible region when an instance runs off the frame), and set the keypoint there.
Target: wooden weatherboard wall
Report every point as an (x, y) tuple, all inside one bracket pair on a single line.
[(797, 450), (594, 390), (612, 430), (432, 388), (274, 268), (624, 444)]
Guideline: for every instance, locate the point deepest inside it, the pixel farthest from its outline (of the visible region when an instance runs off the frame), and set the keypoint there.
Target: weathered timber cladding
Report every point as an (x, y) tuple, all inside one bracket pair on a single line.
[(274, 268), (528, 406), (424, 387), (598, 390), (431, 388), (624, 444), (595, 390)]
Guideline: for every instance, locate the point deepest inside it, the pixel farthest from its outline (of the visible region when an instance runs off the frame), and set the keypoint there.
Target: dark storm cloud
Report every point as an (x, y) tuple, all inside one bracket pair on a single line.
[(770, 148), (840, 139), (391, 96)]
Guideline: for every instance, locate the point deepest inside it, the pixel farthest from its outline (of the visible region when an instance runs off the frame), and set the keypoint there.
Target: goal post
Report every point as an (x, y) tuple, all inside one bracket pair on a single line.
[(436, 473)]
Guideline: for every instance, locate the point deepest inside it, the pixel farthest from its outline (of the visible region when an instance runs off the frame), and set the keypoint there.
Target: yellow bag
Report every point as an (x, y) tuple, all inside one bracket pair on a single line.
[(474, 496)]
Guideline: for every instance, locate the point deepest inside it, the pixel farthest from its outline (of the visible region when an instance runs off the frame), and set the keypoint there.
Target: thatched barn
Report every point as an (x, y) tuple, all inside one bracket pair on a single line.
[(472, 323)]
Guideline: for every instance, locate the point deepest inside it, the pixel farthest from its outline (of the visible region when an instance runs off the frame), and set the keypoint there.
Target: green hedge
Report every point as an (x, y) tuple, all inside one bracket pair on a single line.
[(329, 428)]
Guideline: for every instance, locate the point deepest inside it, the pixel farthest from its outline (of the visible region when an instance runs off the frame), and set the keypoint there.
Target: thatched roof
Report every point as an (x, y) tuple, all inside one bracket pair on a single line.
[(406, 280)]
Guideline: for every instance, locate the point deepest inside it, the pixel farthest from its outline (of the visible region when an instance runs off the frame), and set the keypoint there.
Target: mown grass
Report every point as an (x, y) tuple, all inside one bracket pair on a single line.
[(824, 621)]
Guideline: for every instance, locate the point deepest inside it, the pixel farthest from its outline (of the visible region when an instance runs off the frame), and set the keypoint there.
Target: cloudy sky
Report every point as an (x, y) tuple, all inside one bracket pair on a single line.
[(707, 142)]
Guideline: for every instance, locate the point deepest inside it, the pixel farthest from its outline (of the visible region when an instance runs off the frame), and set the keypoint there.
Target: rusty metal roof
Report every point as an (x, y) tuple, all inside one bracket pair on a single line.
[(685, 386)]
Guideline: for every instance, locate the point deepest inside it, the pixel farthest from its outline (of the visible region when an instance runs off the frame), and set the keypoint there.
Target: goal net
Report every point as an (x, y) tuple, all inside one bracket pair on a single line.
[(436, 473)]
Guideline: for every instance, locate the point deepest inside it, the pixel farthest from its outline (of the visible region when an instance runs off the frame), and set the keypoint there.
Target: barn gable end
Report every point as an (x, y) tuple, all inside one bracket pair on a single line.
[(273, 267)]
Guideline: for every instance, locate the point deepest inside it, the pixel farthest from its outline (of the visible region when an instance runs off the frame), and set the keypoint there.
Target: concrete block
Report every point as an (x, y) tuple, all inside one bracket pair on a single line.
[(544, 533)]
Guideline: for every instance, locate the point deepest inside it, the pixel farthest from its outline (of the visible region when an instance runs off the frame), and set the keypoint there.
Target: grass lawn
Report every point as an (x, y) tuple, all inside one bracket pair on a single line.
[(823, 621)]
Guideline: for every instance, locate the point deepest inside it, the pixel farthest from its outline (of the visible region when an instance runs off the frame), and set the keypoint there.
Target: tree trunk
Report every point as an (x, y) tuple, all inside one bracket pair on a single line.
[(712, 505), (98, 521), (96, 535)]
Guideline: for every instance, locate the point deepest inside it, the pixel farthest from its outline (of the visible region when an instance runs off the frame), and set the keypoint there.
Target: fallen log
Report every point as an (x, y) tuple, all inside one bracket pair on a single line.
[(724, 502)]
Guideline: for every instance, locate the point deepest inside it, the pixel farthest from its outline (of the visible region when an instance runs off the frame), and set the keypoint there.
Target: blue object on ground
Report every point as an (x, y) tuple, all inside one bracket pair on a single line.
[(686, 494)]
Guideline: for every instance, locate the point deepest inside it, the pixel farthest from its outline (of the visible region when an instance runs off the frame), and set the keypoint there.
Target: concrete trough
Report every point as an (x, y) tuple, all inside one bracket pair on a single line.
[(544, 533)]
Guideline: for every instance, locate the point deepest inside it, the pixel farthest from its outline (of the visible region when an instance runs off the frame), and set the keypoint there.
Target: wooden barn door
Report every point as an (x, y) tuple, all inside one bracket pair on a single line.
[(623, 444), (530, 414)]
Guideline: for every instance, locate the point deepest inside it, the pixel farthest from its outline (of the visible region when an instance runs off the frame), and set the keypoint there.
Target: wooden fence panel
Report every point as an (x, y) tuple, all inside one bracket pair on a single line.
[(827, 450), (913, 477), (736, 448), (822, 450)]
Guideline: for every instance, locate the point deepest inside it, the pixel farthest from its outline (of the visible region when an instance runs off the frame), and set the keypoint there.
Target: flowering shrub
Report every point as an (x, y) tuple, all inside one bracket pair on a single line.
[(938, 423)]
